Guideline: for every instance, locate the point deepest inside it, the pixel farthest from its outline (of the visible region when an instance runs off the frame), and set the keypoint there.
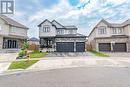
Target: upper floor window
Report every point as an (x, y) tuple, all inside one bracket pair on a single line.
[(71, 31), (117, 30), (46, 29), (13, 29), (60, 31), (102, 30)]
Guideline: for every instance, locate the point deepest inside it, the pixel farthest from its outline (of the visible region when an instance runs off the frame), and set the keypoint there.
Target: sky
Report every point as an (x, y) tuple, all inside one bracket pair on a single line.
[(82, 13)]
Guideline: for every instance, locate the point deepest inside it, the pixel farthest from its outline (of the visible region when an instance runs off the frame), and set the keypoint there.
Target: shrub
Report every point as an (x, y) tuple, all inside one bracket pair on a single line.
[(22, 53)]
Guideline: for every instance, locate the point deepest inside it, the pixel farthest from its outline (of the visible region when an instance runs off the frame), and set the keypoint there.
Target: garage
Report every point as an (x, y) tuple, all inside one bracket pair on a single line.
[(104, 47), (80, 47), (119, 47), (65, 46)]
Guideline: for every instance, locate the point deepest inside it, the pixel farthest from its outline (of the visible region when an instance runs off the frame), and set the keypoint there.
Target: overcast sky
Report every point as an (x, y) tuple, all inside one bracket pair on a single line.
[(82, 13)]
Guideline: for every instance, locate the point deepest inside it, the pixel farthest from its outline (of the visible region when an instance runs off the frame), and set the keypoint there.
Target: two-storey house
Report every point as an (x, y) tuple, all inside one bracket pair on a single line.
[(110, 37), (12, 33), (56, 37)]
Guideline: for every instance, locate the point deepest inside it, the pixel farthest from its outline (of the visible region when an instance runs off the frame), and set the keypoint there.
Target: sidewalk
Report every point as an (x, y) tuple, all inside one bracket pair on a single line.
[(5, 60)]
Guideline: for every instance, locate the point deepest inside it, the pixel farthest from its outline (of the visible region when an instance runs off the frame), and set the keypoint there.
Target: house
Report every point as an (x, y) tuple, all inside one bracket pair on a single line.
[(33, 40), (12, 33), (56, 37), (110, 37)]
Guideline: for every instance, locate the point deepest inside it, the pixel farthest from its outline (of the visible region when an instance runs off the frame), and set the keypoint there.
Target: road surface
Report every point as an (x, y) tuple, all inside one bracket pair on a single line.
[(71, 77)]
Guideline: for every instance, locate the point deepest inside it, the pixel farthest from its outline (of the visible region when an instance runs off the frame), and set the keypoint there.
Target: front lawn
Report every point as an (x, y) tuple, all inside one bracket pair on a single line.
[(22, 64), (37, 54), (99, 54)]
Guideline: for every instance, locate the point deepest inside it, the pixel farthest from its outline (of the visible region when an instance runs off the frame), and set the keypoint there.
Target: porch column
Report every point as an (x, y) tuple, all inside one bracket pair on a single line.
[(74, 46)]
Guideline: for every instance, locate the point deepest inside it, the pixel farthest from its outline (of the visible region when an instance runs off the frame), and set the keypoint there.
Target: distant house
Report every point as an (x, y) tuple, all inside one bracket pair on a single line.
[(110, 37), (12, 33), (33, 40), (56, 37)]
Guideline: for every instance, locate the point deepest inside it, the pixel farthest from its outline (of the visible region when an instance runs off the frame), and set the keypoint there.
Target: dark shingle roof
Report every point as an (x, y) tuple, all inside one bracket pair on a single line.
[(33, 39), (12, 22), (72, 35), (71, 27)]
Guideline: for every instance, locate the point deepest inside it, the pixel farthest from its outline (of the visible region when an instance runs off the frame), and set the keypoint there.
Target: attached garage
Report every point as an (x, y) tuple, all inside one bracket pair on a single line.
[(69, 47), (104, 47), (65, 46), (120, 47), (80, 47)]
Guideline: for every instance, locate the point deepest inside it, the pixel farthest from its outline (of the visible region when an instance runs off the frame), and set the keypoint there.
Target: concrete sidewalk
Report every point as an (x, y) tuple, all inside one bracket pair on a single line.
[(5, 60)]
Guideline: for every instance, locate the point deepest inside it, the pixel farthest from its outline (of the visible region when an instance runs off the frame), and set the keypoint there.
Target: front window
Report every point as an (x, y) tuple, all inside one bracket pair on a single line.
[(102, 30), (117, 30), (60, 31), (46, 29)]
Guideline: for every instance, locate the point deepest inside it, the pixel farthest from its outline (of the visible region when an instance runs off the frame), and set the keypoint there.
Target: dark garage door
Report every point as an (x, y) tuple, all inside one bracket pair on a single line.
[(119, 47), (65, 47), (80, 47), (104, 47)]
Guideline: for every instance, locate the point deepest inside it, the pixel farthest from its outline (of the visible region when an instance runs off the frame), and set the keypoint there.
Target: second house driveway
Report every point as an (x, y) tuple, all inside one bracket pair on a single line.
[(69, 62)]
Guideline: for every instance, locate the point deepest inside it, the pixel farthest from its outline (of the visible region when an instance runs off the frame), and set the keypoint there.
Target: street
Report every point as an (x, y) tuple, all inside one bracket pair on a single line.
[(70, 77)]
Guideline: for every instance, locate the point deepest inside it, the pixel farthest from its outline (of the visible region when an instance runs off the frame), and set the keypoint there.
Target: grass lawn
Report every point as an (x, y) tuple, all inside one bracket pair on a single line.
[(22, 64), (37, 54), (99, 54)]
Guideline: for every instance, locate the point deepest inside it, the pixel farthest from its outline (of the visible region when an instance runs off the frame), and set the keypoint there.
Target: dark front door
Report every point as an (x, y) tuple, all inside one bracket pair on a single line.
[(119, 47), (80, 47), (104, 47), (65, 47)]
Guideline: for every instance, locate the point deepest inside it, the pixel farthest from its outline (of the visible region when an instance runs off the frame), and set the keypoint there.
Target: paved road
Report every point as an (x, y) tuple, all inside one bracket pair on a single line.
[(72, 77)]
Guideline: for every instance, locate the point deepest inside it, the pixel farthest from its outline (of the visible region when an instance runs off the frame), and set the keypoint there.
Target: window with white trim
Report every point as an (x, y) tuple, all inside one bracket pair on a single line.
[(46, 29), (118, 30), (102, 30)]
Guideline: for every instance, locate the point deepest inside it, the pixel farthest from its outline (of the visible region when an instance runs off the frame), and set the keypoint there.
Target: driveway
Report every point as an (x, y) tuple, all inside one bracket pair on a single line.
[(119, 54), (88, 61), (73, 77), (5, 60)]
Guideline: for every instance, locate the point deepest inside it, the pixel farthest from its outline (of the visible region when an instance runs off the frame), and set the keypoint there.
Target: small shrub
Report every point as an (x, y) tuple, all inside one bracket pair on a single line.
[(22, 53)]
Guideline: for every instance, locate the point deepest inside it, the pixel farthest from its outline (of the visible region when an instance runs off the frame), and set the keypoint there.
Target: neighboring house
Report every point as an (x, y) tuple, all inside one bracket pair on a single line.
[(33, 40), (56, 37), (110, 37), (12, 33)]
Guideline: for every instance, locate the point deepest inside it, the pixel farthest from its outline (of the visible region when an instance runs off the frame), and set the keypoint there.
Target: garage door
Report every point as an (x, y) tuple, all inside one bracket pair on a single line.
[(65, 47), (119, 47), (80, 47), (104, 47)]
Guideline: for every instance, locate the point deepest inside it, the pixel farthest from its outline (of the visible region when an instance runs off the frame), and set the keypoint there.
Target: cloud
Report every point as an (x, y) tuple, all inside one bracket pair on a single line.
[(84, 14)]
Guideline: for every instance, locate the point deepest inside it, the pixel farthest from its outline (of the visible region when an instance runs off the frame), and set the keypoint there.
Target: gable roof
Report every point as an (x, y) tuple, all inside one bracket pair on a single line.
[(43, 22), (127, 22), (12, 22), (54, 22)]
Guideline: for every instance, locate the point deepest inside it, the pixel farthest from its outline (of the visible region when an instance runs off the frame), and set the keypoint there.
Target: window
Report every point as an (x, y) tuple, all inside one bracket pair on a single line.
[(102, 30), (46, 29), (13, 29), (117, 30), (71, 32), (60, 31)]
